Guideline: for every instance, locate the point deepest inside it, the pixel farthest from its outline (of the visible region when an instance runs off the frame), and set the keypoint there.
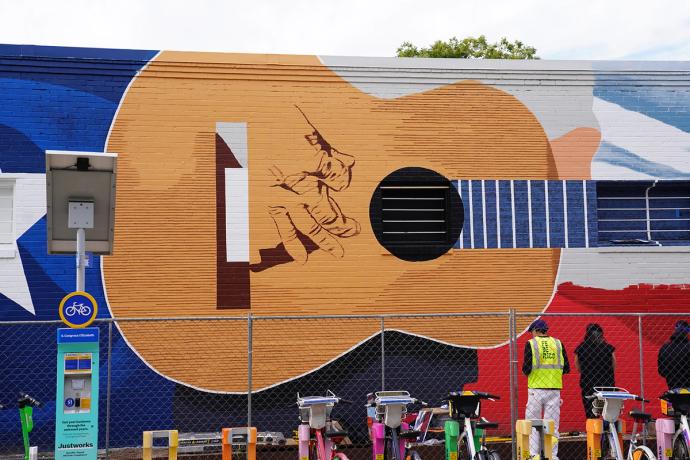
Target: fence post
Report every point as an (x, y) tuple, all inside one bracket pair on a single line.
[(640, 345), (512, 349), (107, 391), (249, 370), (383, 354)]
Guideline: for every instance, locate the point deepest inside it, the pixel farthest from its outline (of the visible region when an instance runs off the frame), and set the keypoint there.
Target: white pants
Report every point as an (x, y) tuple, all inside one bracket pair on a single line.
[(543, 404)]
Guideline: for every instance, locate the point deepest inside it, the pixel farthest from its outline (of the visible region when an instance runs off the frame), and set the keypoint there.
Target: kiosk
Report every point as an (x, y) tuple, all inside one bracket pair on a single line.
[(76, 418)]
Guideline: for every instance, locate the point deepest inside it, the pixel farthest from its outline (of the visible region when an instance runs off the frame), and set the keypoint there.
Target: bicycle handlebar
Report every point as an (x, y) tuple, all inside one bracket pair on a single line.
[(26, 400), (637, 398)]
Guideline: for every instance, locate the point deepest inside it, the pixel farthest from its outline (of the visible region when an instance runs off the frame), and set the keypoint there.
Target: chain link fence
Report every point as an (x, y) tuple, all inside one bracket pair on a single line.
[(167, 374)]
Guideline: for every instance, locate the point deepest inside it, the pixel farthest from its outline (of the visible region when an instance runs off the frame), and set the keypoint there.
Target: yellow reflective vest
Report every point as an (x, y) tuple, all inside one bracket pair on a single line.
[(547, 363)]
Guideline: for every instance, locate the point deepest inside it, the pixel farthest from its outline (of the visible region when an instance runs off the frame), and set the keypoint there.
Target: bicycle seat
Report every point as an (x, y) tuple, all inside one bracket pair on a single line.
[(411, 434), (640, 416), (336, 434), (487, 425)]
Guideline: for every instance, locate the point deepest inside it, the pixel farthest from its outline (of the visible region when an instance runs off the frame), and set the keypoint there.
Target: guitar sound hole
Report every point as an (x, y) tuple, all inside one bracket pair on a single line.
[(416, 214)]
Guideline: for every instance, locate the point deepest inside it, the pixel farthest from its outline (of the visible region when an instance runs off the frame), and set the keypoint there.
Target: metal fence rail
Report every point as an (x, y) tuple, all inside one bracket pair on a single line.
[(256, 375)]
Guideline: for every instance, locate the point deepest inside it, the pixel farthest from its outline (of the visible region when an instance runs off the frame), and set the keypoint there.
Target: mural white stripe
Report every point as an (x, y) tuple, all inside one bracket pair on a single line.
[(484, 212), (469, 193), (512, 209), (584, 198), (529, 212), (498, 216), (565, 212), (548, 219)]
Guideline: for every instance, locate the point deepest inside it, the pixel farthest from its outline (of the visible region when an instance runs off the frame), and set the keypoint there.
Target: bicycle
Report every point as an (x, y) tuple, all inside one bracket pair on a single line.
[(316, 437), (389, 432), (83, 310), (464, 410), (673, 435), (604, 435)]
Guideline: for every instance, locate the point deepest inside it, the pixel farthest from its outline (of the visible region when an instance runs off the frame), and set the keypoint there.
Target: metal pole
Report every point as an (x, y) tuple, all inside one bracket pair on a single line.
[(639, 335), (512, 332), (107, 392), (81, 258), (249, 370), (383, 354)]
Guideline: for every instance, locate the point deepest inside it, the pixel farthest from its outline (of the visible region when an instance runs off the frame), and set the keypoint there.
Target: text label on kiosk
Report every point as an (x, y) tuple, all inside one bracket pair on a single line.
[(78, 309)]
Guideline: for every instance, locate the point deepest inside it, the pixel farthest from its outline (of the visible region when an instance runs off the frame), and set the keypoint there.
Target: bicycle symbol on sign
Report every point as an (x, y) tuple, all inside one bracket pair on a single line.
[(78, 308)]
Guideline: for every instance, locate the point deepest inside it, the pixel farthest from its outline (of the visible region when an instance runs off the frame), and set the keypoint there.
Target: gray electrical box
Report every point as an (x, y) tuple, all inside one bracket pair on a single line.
[(80, 214)]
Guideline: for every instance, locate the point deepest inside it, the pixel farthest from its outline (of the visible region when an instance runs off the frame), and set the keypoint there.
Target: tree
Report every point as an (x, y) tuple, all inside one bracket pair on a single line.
[(470, 48)]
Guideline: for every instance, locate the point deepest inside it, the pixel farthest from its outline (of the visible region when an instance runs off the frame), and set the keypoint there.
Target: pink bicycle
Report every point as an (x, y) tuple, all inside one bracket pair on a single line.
[(318, 438), (389, 430)]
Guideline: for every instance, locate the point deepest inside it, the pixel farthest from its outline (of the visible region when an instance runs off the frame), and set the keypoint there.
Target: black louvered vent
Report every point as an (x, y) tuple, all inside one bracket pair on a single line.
[(414, 213)]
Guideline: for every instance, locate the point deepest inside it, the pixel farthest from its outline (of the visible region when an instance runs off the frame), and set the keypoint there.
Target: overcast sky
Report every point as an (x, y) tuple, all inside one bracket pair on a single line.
[(583, 29)]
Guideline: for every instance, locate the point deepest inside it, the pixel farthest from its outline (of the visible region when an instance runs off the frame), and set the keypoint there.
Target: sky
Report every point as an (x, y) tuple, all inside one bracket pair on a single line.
[(559, 29)]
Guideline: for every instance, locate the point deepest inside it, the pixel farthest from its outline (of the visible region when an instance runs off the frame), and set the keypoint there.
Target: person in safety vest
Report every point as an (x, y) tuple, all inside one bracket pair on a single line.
[(545, 362)]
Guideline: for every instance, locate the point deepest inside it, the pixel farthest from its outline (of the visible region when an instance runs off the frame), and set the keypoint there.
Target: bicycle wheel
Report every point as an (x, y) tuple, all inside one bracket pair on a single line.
[(413, 455), (391, 451), (680, 449), (463, 448), (606, 451), (643, 453)]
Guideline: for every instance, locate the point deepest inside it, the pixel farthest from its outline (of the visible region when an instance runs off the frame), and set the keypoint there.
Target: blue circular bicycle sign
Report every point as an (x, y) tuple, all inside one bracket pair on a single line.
[(78, 309)]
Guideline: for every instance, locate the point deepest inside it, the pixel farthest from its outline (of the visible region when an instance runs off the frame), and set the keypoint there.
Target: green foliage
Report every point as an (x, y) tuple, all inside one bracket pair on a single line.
[(470, 48)]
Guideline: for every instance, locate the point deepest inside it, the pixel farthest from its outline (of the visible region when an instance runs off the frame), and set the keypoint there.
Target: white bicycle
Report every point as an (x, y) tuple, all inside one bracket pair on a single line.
[(83, 310), (608, 402)]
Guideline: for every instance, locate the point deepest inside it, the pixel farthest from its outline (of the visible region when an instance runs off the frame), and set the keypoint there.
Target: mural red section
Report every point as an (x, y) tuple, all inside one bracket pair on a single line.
[(623, 332)]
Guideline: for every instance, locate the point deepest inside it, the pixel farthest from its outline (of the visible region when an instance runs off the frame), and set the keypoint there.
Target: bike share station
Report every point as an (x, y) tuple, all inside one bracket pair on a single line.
[(80, 189)]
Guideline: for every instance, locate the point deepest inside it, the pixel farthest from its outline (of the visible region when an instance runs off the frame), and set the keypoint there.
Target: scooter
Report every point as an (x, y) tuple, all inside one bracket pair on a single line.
[(26, 409)]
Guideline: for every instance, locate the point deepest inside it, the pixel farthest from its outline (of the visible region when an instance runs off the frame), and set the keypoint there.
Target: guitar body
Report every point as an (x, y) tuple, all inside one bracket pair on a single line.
[(172, 208)]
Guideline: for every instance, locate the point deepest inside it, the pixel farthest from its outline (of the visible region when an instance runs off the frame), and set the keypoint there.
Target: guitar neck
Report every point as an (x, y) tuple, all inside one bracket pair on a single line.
[(528, 214)]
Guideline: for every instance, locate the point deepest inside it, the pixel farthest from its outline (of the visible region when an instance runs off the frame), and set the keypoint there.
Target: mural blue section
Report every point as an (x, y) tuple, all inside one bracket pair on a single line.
[(506, 213), (667, 104), (50, 102), (539, 223), (490, 204)]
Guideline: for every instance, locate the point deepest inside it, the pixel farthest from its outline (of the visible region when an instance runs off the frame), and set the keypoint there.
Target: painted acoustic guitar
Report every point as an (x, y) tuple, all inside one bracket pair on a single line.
[(255, 206)]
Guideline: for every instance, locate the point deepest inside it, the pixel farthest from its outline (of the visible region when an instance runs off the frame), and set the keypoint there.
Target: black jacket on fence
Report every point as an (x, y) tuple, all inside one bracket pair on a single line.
[(674, 361)]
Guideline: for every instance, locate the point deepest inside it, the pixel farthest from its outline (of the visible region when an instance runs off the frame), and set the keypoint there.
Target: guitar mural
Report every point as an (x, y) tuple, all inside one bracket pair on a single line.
[(464, 130)]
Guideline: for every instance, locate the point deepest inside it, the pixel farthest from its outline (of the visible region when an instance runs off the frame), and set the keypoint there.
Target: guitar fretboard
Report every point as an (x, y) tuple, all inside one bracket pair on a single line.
[(528, 214)]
